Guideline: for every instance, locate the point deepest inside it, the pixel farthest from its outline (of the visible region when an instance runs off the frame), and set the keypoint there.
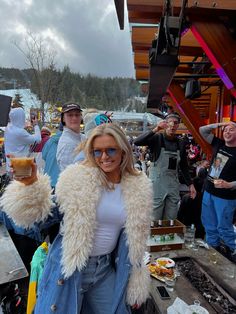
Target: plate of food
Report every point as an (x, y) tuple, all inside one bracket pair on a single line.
[(197, 309), (165, 262), (161, 272)]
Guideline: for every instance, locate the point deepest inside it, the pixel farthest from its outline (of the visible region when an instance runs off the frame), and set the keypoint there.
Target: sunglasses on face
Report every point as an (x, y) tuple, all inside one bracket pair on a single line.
[(111, 152)]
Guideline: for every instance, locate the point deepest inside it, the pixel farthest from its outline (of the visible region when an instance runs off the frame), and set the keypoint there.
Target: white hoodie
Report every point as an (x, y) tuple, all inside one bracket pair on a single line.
[(17, 140)]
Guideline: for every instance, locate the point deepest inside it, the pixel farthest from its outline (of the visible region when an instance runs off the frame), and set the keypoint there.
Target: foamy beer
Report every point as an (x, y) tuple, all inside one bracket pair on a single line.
[(22, 166)]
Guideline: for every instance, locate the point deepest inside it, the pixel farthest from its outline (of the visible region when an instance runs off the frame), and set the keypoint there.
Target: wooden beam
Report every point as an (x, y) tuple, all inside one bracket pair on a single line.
[(183, 50), (188, 39), (142, 74), (149, 12), (212, 82), (143, 17), (219, 46), (144, 35), (226, 103), (119, 4), (142, 38), (189, 114), (139, 63), (145, 6), (157, 5), (145, 74), (141, 59), (145, 57)]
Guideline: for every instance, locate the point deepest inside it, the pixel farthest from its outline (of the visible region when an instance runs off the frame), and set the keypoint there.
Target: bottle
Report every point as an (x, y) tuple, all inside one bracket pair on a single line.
[(162, 238), (157, 238), (159, 223), (193, 234), (189, 236), (171, 235)]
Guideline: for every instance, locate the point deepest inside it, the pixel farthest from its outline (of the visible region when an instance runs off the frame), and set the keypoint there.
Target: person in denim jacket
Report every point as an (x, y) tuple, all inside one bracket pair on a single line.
[(95, 264)]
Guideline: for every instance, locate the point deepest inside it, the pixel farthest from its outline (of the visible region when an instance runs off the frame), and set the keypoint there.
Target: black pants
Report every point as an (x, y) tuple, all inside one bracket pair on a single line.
[(25, 247)]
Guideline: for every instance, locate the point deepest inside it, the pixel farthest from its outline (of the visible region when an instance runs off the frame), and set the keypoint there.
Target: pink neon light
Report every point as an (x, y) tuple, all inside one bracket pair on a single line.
[(175, 100), (211, 56)]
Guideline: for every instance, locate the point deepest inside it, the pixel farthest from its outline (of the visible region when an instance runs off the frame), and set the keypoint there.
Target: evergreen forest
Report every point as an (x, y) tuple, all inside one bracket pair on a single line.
[(58, 86)]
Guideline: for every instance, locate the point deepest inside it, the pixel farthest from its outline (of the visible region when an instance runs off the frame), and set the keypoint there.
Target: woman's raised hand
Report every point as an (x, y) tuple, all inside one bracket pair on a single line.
[(27, 180)]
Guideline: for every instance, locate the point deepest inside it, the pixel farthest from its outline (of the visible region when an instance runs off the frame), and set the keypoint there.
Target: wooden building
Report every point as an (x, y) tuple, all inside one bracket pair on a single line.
[(186, 49)]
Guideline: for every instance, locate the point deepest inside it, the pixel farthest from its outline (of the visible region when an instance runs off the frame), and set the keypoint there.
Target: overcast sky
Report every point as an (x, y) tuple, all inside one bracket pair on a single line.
[(84, 33)]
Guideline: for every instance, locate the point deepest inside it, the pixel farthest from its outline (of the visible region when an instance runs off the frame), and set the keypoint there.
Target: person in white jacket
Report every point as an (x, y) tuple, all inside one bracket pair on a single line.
[(17, 140), (71, 119)]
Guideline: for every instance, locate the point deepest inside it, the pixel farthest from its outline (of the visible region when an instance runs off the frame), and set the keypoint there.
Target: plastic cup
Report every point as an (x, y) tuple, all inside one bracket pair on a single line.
[(230, 272), (195, 246), (197, 302), (22, 166), (170, 284), (213, 257)]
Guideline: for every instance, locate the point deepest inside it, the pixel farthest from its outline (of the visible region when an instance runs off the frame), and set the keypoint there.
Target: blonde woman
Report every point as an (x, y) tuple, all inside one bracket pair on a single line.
[(95, 263)]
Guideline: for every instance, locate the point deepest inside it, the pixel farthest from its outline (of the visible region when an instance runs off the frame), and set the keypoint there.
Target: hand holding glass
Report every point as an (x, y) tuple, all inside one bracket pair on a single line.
[(22, 166)]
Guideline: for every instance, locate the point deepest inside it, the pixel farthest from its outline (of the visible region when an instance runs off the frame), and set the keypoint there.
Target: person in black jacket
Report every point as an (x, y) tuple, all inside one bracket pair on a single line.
[(219, 198), (190, 209), (168, 153)]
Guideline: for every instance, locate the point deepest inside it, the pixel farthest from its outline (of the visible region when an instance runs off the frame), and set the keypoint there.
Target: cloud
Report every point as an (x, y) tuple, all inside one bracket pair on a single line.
[(85, 34)]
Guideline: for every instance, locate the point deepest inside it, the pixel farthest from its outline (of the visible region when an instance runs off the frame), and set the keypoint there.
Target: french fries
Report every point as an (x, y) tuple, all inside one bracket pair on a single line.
[(161, 270)]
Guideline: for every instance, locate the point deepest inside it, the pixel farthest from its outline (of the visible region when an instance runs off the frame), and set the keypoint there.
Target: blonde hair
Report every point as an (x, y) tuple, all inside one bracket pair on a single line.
[(127, 163), (79, 148), (87, 114)]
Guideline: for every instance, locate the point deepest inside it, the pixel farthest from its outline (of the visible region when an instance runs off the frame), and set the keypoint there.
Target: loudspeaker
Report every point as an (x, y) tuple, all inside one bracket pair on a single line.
[(5, 106), (193, 89), (161, 73)]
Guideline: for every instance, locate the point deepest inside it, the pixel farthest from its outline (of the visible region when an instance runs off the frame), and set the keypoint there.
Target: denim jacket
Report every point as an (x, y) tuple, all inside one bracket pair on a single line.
[(78, 192), (62, 295)]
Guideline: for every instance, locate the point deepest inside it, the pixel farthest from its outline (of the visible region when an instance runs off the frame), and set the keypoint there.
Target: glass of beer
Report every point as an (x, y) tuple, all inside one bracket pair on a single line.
[(22, 166)]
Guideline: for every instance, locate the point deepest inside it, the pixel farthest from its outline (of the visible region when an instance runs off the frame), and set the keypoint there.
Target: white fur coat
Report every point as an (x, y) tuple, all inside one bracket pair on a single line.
[(78, 192)]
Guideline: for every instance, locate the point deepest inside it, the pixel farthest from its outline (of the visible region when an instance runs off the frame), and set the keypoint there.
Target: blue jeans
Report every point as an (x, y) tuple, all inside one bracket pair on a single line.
[(217, 219), (97, 288)]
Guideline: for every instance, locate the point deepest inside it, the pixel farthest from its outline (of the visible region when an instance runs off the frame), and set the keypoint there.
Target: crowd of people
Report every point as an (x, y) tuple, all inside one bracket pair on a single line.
[(97, 193)]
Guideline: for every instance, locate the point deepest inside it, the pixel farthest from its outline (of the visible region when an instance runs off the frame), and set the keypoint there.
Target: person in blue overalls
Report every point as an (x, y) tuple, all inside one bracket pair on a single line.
[(168, 153)]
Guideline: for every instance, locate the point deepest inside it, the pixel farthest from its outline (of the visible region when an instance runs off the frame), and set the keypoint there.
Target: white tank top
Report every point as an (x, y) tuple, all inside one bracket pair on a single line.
[(110, 218)]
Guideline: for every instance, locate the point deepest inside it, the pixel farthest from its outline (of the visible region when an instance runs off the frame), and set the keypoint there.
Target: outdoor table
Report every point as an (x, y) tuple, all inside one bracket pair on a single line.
[(183, 288), (11, 264)]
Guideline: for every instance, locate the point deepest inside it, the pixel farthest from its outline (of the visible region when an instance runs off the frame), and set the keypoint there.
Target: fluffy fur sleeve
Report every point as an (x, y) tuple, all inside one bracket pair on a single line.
[(138, 195), (138, 286), (27, 204)]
